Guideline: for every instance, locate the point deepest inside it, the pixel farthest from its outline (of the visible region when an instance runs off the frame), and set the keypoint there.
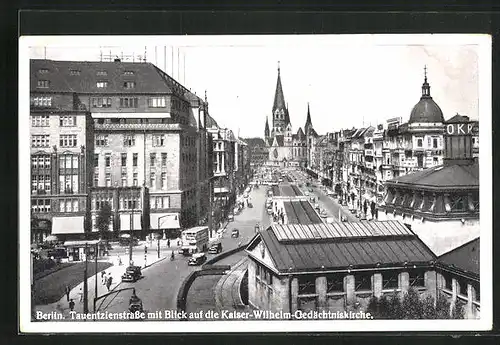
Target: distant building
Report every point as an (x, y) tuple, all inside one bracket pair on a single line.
[(336, 267), (440, 204)]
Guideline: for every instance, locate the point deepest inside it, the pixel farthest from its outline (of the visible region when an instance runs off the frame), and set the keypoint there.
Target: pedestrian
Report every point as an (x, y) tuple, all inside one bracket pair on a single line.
[(81, 294), (168, 243), (178, 243), (67, 292), (103, 274), (119, 261), (109, 282), (71, 305), (145, 249)]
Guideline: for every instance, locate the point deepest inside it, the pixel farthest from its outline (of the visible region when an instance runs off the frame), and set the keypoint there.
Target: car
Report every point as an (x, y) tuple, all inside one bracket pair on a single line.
[(235, 233), (306, 193), (310, 189), (132, 274), (230, 218), (215, 248), (269, 211), (197, 259), (316, 206), (250, 205), (323, 214)]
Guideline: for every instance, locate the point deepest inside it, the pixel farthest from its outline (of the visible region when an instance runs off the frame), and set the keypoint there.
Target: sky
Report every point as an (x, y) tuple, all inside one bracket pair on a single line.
[(348, 81)]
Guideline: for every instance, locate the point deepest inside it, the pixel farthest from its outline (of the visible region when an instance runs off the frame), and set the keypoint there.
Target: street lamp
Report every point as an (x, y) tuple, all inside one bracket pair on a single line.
[(158, 244)]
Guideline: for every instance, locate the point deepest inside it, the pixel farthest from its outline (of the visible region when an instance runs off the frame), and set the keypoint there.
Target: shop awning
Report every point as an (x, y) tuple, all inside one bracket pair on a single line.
[(67, 225), (80, 243), (125, 222), (167, 220)]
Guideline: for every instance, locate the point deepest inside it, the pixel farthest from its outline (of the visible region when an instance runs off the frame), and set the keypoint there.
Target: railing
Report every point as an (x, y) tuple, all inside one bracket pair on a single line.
[(138, 126)]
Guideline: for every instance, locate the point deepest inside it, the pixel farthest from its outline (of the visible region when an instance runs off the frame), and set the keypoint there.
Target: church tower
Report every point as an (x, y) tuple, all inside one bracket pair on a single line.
[(266, 130), (280, 112), (308, 124)]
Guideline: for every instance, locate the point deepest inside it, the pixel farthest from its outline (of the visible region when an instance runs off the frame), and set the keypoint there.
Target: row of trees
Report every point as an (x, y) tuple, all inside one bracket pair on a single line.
[(413, 306)]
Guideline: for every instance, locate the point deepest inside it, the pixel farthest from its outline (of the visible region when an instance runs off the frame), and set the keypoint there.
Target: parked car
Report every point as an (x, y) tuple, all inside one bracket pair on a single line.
[(269, 211), (132, 274), (230, 218), (197, 259), (250, 205), (323, 214), (235, 233), (316, 206), (215, 248)]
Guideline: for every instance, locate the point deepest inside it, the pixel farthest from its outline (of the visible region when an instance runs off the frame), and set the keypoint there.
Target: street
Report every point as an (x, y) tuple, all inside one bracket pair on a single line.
[(161, 282)]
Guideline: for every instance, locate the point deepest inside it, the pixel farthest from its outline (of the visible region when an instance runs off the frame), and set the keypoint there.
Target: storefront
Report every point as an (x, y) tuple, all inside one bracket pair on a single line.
[(76, 249), (166, 224)]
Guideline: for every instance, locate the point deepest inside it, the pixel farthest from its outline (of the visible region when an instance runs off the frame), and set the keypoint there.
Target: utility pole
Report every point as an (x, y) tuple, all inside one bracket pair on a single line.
[(131, 238), (95, 288), (85, 284)]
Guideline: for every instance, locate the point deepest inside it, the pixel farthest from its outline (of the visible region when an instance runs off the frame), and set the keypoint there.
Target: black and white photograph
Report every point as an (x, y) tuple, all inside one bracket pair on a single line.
[(255, 183)]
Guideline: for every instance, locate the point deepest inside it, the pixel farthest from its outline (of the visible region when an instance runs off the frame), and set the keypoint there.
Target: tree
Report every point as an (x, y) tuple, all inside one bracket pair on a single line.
[(412, 305), (103, 220)]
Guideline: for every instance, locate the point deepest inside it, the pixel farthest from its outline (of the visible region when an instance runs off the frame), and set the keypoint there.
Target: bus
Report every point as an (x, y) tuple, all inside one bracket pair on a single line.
[(194, 240)]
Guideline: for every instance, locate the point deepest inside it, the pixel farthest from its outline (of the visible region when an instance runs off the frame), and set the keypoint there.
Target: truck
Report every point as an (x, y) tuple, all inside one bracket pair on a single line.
[(194, 240)]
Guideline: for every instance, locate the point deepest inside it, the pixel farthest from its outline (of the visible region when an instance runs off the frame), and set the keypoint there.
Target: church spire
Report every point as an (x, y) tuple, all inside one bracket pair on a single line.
[(426, 89), (308, 121), (279, 98), (266, 130)]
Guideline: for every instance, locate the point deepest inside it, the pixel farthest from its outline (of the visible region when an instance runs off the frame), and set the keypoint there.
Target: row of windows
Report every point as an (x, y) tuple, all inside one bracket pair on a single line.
[(78, 72), (158, 140), (43, 140), (128, 102), (65, 205), (462, 286), (40, 184), (362, 282), (101, 84), (190, 141), (264, 275), (40, 161), (159, 202)]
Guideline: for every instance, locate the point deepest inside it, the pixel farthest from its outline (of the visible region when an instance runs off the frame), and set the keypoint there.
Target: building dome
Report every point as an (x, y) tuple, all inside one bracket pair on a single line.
[(426, 110)]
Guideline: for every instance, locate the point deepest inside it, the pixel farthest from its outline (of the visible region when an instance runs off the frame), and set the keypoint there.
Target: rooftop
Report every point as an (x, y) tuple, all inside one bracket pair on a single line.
[(464, 258), (319, 247)]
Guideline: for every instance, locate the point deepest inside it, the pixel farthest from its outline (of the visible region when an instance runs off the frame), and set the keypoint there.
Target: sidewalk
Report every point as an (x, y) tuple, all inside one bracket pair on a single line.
[(115, 271)]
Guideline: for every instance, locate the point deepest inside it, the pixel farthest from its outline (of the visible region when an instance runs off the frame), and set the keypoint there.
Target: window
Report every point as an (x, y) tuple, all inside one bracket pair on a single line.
[(96, 160), (68, 140), (435, 160), (363, 282), (127, 102), (134, 159), (74, 72), (152, 181), (101, 140), (417, 278), (42, 140), (152, 159), (390, 280), (41, 101), (128, 73), (128, 140), (124, 180), (157, 102), (40, 121), (419, 142), (462, 287), (428, 141), (102, 84), (102, 73), (135, 181), (43, 71), (96, 179), (67, 121), (124, 159), (307, 285), (163, 159), (42, 83), (335, 283), (108, 179), (458, 203), (101, 102), (434, 143), (129, 84), (158, 140), (163, 180), (448, 282), (107, 160), (40, 205)]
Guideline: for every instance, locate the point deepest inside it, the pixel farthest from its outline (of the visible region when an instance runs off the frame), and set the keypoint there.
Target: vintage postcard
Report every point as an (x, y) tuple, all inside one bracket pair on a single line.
[(295, 183)]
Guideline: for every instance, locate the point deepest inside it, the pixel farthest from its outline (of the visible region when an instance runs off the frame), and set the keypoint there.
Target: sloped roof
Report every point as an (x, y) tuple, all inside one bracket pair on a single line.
[(255, 142), (426, 110), (339, 246), (464, 258), (458, 118), (82, 77), (308, 124), (455, 176), (211, 122), (279, 139), (279, 98), (300, 133)]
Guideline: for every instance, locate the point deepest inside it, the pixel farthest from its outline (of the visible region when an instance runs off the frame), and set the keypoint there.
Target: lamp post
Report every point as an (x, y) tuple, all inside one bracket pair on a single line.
[(85, 286), (131, 238), (158, 244)]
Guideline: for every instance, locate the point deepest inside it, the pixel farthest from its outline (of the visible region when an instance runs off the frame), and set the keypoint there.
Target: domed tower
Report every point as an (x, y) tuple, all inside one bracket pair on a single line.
[(280, 112), (426, 110)]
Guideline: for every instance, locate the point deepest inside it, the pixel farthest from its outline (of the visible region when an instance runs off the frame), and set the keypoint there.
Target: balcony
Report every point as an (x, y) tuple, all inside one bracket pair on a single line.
[(218, 190)]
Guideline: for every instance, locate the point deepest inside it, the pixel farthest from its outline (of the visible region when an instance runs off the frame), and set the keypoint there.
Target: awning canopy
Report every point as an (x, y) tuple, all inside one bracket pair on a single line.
[(67, 225), (125, 223), (167, 221), (80, 243)]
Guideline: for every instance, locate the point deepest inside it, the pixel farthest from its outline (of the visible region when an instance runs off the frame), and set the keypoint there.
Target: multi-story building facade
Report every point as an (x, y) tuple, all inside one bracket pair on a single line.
[(147, 137), (61, 161)]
